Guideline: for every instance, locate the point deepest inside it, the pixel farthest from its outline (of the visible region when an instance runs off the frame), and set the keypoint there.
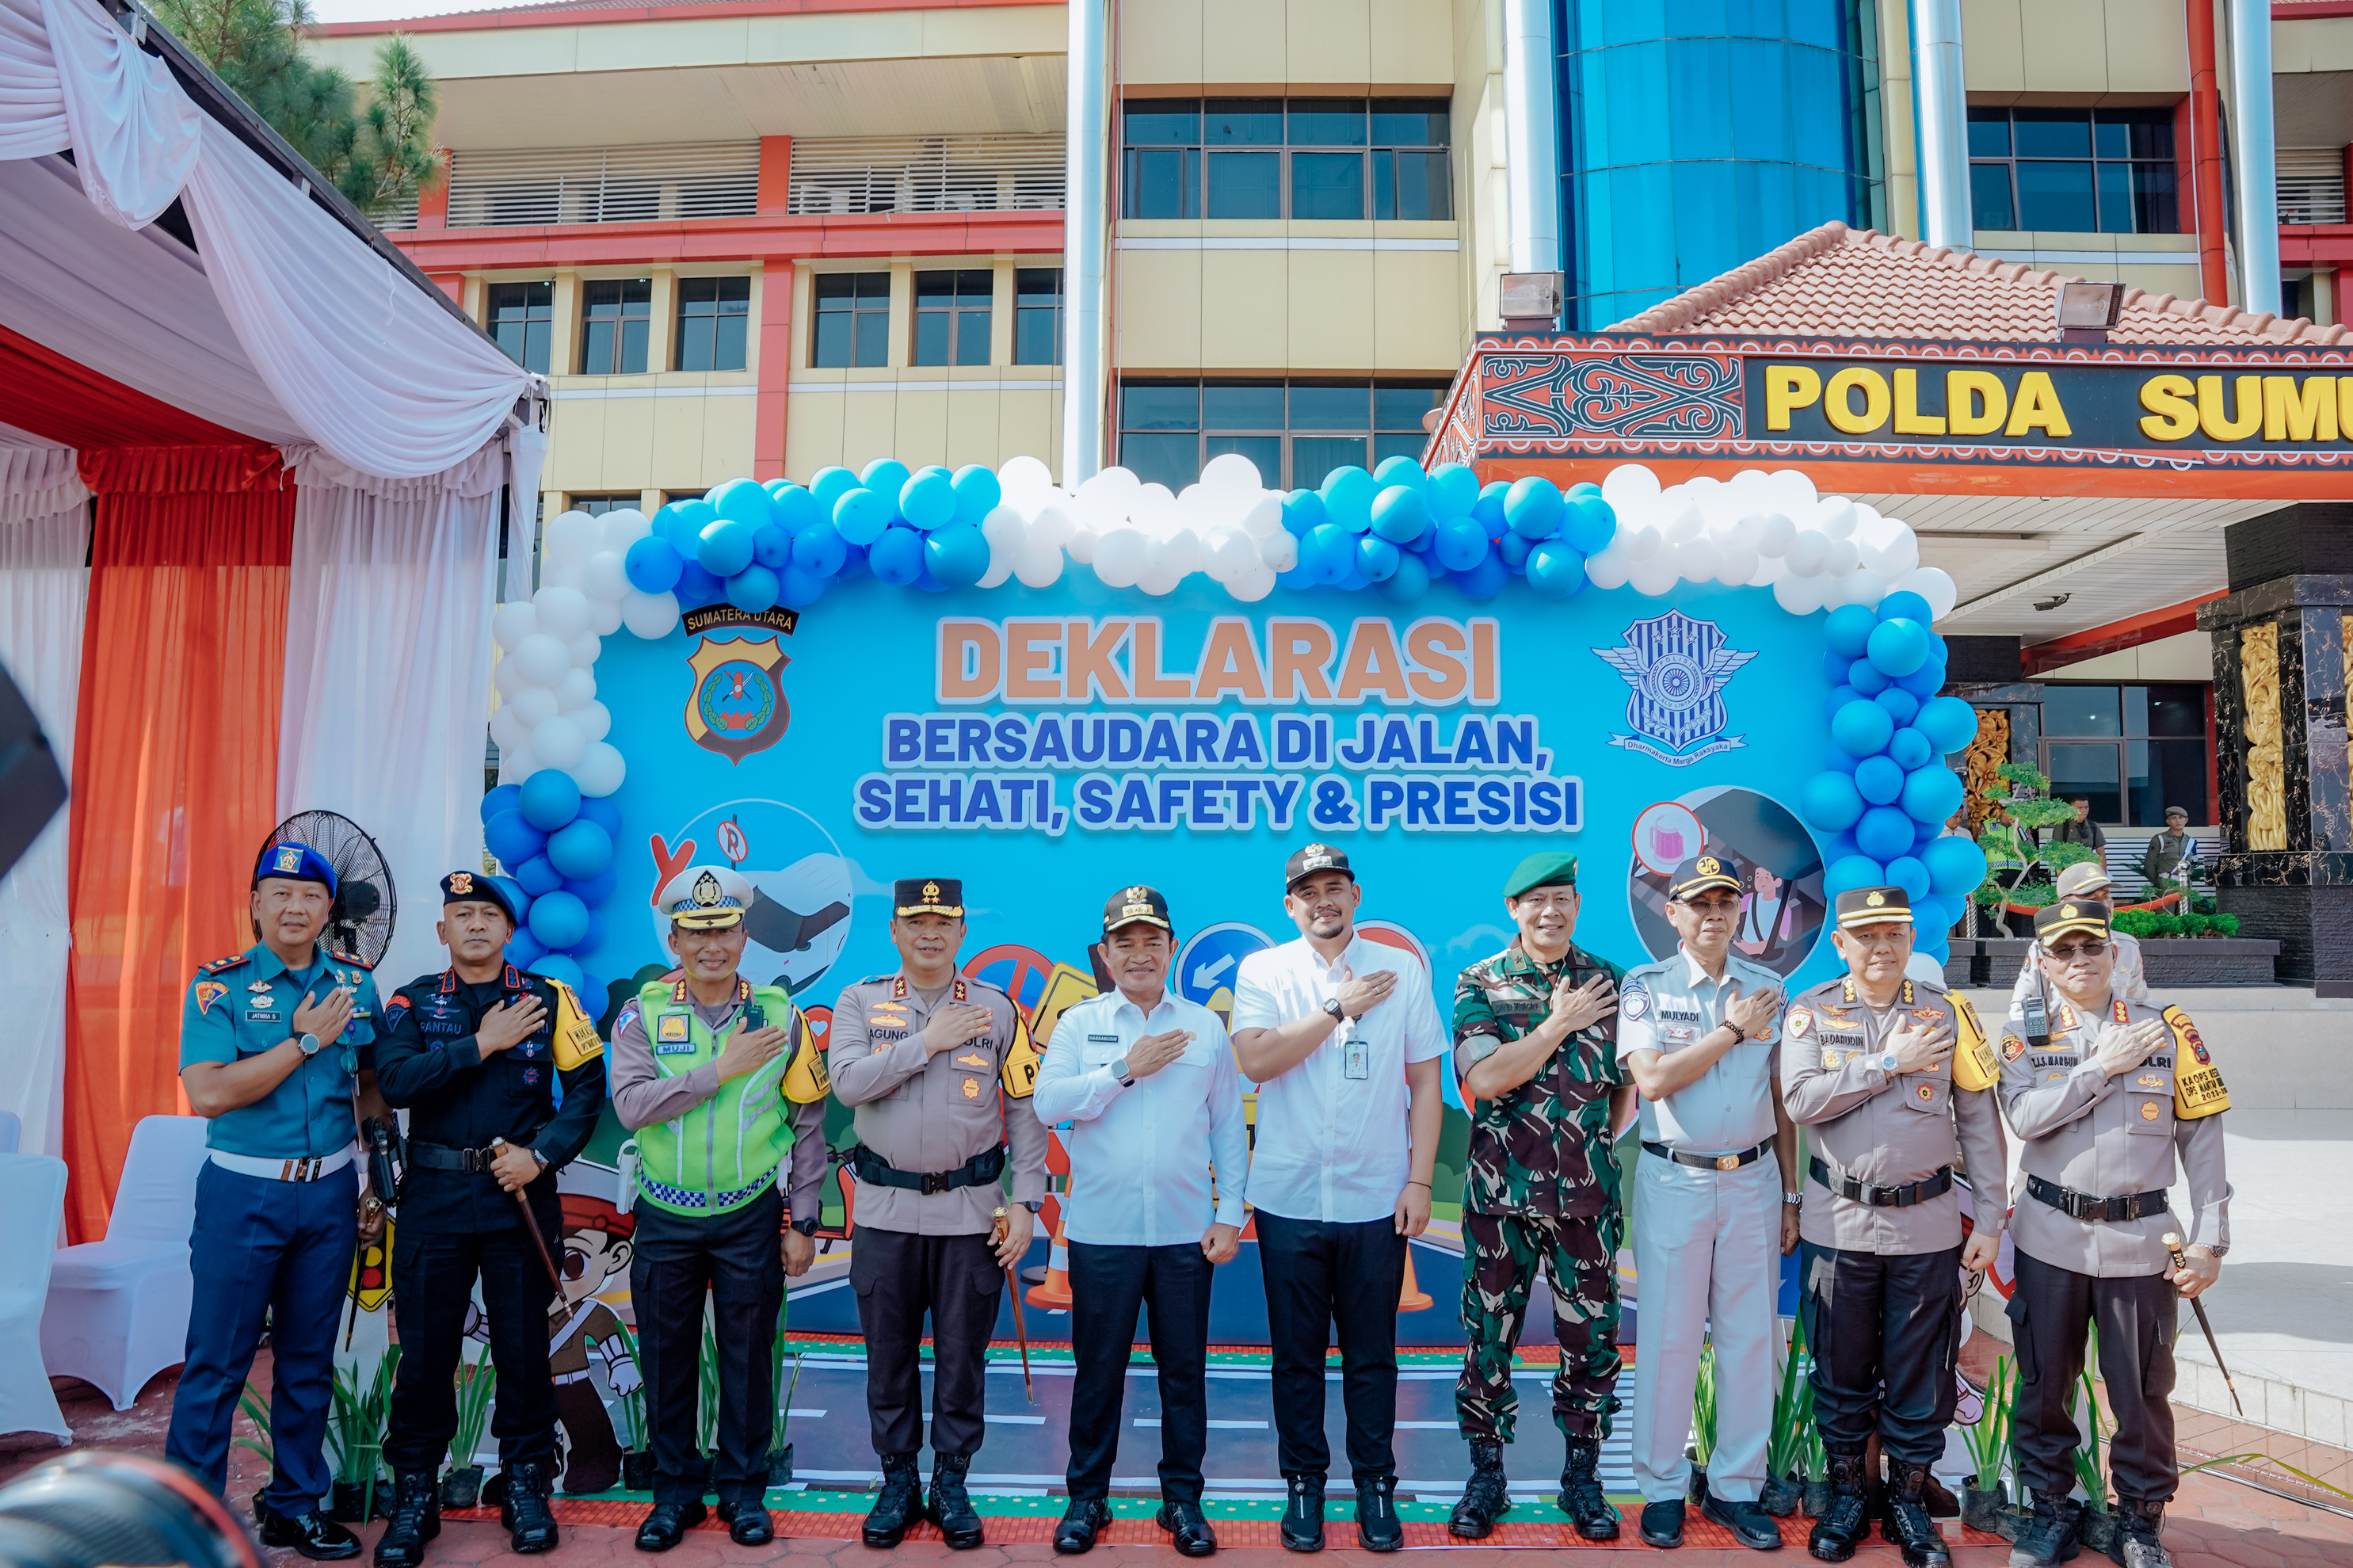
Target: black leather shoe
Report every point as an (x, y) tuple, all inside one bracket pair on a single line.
[(668, 1524), (1085, 1519), (949, 1506), (1749, 1523), (1379, 1528), (1580, 1492), (1303, 1514), (1193, 1536), (1662, 1523), (900, 1504), (310, 1532), (1486, 1496), (416, 1520), (748, 1523), (530, 1523)]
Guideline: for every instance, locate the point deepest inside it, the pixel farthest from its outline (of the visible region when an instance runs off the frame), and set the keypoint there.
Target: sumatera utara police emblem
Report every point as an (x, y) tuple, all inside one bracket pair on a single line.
[(1678, 667), (737, 706)]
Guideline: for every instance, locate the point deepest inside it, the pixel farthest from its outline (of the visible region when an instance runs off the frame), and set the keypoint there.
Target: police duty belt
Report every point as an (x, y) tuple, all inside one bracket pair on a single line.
[(440, 1157), (2086, 1206), (985, 1167), (1935, 1185)]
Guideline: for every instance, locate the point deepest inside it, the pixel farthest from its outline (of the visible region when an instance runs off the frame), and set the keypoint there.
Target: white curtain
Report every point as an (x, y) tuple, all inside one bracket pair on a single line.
[(387, 694), (44, 588), (134, 131)]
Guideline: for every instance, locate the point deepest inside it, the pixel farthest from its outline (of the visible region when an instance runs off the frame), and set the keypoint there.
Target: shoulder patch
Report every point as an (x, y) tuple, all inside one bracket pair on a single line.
[(1800, 1020), (1634, 1002), (2012, 1047)]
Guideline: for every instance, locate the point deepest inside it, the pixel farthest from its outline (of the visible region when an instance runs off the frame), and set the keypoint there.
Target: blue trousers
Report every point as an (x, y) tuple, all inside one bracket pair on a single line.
[(283, 1248)]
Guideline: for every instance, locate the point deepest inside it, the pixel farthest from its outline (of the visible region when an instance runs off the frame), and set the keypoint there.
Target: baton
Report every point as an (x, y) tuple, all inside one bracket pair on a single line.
[(530, 1228), (2173, 1250), (1013, 1286)]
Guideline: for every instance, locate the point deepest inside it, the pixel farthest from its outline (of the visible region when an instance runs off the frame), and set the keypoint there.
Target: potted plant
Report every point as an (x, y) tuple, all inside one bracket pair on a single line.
[(1793, 1418), (1984, 1495), (1703, 1443), (477, 1380), (1817, 1473), (637, 1458), (706, 1426), (780, 1452), (257, 1411), (2098, 1529), (355, 1423)]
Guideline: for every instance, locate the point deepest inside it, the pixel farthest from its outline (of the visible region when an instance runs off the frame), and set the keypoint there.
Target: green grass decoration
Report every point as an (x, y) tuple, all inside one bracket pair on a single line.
[(477, 1381), (1793, 1408), (1989, 1440), (257, 1412), (706, 1426), (1704, 1407), (355, 1426), (785, 1409), (2084, 1397)]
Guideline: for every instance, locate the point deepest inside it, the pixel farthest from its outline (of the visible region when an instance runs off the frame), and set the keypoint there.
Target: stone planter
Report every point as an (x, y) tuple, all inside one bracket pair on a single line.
[(1781, 1495), (637, 1470), (352, 1502), (780, 1465), (1818, 1499), (1982, 1509), (2098, 1530), (462, 1486)]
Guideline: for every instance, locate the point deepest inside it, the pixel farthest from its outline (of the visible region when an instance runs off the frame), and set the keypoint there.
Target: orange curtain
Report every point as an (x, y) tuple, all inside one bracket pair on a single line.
[(175, 773)]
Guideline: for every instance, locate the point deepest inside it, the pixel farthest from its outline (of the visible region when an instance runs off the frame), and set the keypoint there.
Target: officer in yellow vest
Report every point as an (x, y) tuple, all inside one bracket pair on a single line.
[(721, 1082)]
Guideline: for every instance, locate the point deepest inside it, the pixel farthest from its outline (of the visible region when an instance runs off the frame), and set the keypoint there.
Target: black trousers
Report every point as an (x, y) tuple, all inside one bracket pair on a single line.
[(735, 1257), (1108, 1285), (2136, 1318), (433, 1275), (1321, 1276), (899, 1278), (1885, 1333)]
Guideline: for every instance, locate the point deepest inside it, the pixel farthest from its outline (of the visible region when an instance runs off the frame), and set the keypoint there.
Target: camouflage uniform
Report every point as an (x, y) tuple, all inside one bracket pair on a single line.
[(1542, 1191)]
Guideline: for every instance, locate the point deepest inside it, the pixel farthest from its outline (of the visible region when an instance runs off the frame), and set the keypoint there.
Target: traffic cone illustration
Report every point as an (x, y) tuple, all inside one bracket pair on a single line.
[(1411, 1297), (1054, 1293)]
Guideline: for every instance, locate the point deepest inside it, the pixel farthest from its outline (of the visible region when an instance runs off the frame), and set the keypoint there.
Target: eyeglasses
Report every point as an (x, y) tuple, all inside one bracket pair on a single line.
[(2074, 950)]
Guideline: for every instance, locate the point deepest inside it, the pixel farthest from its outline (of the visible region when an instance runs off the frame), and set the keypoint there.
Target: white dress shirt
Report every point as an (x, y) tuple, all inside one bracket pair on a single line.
[(1142, 1156), (1330, 1147), (1672, 1005)]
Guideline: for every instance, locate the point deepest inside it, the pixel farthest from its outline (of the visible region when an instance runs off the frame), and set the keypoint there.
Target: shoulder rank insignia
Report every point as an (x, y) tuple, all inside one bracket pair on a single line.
[(1973, 1063), (217, 965), (2197, 1091)]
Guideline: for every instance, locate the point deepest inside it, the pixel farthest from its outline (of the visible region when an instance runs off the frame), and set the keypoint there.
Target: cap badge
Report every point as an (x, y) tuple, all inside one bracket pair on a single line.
[(2066, 912), (289, 857), (1708, 865), (931, 890), (707, 891), (1876, 898), (461, 883)]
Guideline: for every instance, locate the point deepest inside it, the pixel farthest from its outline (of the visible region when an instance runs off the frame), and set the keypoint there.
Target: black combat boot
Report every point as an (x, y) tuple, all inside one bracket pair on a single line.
[(1303, 1513), (2050, 1536), (1486, 1498), (949, 1506), (1838, 1532), (2137, 1528), (1580, 1492), (530, 1523), (416, 1520), (899, 1506), (1907, 1523)]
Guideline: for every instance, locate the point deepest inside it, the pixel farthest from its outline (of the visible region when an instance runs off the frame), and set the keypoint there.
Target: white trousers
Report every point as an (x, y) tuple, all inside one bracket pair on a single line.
[(1707, 1254)]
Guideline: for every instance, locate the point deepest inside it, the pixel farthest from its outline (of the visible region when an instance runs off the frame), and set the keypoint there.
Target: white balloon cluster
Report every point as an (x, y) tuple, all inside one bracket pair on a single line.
[(548, 712), (1134, 534), (1760, 530)]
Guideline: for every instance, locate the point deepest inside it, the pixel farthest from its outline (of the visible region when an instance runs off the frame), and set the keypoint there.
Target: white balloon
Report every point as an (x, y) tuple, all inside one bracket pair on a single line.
[(1900, 553), (600, 769), (1278, 550), (1736, 563), (1040, 566), (571, 536), (562, 612), (1799, 595), (1640, 545), (1695, 560), (1022, 477), (1807, 552), (542, 659), (1119, 558), (622, 527), (1153, 508), (1932, 584), (1773, 539), (1686, 523), (565, 575), (1052, 526), (1113, 489), (1609, 568), (1252, 586), (516, 764), (1082, 541), (605, 616), (508, 730), (577, 687), (1176, 555), (603, 578), (1264, 517), (1231, 471), (1000, 567), (1157, 582), (1004, 529), (1629, 484), (558, 743), (515, 621), (1232, 552), (595, 719), (1865, 588), (585, 649), (506, 675), (1835, 517), (1794, 490), (1654, 577), (1844, 557), (535, 706), (649, 615)]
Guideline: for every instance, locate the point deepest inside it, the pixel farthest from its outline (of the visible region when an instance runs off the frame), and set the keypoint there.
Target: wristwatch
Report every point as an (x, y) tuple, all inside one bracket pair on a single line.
[(1032, 1205), (1119, 1070), (1795, 1200), (307, 1044), (1885, 1062), (1338, 1013), (806, 1227)]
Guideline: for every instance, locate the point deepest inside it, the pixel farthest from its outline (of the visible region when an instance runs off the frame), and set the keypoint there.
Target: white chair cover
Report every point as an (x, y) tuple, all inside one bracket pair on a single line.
[(32, 1204), (118, 1309)]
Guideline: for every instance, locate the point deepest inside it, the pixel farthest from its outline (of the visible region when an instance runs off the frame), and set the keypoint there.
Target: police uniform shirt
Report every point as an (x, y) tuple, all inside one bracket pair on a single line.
[(921, 1114), (1669, 1005), (239, 1007), (2131, 981), (2112, 1137), (1887, 1129), (427, 1062)]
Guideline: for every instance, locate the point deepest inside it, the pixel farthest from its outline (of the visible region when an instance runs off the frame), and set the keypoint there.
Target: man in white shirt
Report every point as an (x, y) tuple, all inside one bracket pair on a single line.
[(1159, 1148), (2085, 882), (1346, 1052)]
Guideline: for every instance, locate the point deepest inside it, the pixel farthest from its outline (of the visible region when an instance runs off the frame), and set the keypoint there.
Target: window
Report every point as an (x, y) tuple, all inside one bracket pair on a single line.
[(522, 322), (2131, 750), (853, 320), (1348, 159), (951, 316), (597, 506), (713, 317), (1296, 432), (1038, 315), (615, 315), (2077, 171)]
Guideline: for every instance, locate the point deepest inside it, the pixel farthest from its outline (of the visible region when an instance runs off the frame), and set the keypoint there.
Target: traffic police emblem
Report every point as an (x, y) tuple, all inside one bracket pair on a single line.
[(736, 707), (1678, 667)]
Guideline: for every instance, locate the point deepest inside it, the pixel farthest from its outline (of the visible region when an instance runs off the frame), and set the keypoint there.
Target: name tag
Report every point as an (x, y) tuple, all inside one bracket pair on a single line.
[(1104, 1039), (264, 1018), (674, 1035), (1356, 1060)]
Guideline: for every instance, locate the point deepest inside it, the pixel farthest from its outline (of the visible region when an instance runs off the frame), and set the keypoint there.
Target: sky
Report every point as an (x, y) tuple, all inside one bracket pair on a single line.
[(382, 10)]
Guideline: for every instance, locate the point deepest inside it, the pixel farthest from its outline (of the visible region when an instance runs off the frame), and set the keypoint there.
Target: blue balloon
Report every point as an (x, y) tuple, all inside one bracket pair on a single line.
[(697, 587), (772, 547), (1949, 722), (580, 849), (1901, 706), (1884, 833), (928, 501), (1932, 793), (1376, 558), (956, 555), (651, 565), (886, 477), (796, 509), (1398, 514), (1909, 875), (1485, 581), (558, 918), (818, 550), (687, 519), (1490, 509), (1955, 865), (1839, 696), (594, 890), (1908, 749), (1830, 803), (1328, 553), (1348, 493), (798, 589), (549, 799), (1302, 510), (1554, 568), (741, 501), (1898, 647), (1879, 780), (509, 835), (1298, 578), (523, 950), (1409, 582), (860, 515), (601, 809), (753, 588), (1848, 629), (897, 555), (1590, 523), (1905, 605), (1925, 682), (1400, 470), (1533, 507), (1839, 846), (1851, 872), (1836, 667), (726, 546), (1461, 544), (1861, 729), (1452, 490), (561, 968), (978, 493), (854, 563), (538, 877), (1866, 678), (1835, 760), (829, 485), (505, 797), (1513, 549)]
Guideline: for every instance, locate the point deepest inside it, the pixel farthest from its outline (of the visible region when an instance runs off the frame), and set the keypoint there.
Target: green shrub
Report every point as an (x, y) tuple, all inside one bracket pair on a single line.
[(2226, 924)]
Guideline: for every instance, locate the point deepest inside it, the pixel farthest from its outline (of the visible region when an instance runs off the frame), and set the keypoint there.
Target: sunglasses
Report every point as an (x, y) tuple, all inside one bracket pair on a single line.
[(2074, 950)]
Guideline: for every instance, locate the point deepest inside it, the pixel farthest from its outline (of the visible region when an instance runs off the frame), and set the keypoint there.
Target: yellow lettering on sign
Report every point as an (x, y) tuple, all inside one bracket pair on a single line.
[(1838, 403), (2036, 407), (1789, 387), (2172, 413), (1976, 402), (1909, 420), (2299, 414), (2215, 420)]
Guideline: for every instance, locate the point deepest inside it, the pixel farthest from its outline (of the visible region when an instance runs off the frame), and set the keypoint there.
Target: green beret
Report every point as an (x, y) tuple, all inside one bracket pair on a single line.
[(1542, 869)]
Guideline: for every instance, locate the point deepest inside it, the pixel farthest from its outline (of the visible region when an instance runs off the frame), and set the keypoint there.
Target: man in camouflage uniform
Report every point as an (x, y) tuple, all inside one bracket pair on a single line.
[(1535, 1047)]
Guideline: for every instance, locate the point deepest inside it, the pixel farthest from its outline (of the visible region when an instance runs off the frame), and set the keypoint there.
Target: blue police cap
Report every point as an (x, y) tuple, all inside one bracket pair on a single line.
[(473, 887), (294, 862)]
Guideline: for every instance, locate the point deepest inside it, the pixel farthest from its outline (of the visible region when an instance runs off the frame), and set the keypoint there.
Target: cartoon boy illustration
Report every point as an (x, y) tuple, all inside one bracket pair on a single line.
[(596, 1249)]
